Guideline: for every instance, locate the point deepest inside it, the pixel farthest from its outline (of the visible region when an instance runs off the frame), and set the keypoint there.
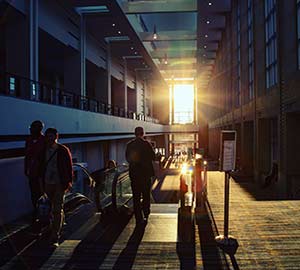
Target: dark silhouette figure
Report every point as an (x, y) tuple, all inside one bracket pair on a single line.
[(272, 176), (140, 154), (34, 149), (99, 178), (57, 175)]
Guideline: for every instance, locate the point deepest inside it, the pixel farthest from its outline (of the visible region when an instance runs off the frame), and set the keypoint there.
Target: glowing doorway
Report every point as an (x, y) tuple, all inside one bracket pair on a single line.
[(183, 103)]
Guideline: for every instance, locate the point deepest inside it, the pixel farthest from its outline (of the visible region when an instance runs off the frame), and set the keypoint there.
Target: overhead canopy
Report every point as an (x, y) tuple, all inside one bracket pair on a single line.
[(187, 33)]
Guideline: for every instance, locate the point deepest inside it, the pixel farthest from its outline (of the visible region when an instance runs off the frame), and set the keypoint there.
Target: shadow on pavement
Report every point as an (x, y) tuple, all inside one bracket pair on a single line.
[(213, 258), (92, 250), (128, 254)]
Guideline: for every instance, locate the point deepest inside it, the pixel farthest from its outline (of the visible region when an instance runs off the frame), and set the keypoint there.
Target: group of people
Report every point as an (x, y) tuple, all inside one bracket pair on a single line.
[(48, 166)]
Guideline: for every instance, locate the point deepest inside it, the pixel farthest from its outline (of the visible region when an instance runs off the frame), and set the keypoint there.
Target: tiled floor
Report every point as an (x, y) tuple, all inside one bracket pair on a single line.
[(268, 232)]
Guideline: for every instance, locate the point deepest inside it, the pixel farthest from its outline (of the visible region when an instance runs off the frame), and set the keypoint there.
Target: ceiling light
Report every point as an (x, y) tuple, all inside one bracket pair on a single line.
[(206, 36), (205, 46), (208, 22), (113, 24), (119, 32), (154, 32), (210, 3), (135, 52), (131, 48)]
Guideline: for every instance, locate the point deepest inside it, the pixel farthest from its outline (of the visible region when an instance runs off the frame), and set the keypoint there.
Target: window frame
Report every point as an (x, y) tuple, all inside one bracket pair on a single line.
[(271, 57), (250, 32), (238, 52), (298, 30)]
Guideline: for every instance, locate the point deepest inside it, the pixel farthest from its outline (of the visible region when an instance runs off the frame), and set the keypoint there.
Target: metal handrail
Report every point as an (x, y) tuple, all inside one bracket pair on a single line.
[(119, 177)]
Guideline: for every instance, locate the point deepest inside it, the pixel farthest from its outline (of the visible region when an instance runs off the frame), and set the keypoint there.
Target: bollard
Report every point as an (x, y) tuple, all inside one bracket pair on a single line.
[(200, 210), (185, 212), (227, 242)]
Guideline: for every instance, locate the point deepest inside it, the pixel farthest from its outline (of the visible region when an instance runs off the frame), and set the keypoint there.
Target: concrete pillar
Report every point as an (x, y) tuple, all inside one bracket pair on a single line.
[(172, 103), (136, 92), (167, 151), (125, 87), (263, 148), (82, 55), (195, 104), (34, 46), (248, 142), (108, 68)]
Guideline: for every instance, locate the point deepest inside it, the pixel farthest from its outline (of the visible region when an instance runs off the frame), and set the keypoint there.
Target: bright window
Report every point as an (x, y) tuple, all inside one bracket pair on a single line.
[(12, 84), (183, 103)]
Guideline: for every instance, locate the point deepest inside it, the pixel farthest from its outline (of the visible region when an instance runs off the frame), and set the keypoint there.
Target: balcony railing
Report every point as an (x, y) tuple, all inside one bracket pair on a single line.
[(24, 88)]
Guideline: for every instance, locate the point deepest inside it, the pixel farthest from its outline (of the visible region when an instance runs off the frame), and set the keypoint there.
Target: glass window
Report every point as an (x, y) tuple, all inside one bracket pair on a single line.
[(298, 31), (271, 40), (238, 82), (12, 85), (250, 51), (33, 88)]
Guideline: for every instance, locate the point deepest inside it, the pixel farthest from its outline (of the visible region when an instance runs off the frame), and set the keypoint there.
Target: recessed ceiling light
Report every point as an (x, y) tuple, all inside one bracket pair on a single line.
[(208, 22), (205, 46), (113, 24), (206, 36), (119, 32), (135, 52), (132, 48), (210, 3)]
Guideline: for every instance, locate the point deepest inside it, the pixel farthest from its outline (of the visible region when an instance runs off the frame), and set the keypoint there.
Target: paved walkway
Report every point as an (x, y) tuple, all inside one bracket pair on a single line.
[(268, 232)]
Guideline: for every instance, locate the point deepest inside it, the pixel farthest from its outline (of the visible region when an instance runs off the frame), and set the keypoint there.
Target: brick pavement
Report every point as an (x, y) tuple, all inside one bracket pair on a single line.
[(268, 231)]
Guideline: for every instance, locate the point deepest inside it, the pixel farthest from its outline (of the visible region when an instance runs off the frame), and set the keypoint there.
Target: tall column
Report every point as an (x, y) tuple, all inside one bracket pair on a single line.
[(34, 46), (167, 152), (195, 104), (82, 55), (136, 92), (125, 87), (108, 68), (172, 103)]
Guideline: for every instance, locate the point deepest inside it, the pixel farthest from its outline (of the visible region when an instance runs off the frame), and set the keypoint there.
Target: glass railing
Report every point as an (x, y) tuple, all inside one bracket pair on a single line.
[(115, 185), (122, 192)]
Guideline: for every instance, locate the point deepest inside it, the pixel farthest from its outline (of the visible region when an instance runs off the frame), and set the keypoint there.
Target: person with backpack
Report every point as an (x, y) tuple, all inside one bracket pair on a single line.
[(58, 176), (34, 149), (140, 154)]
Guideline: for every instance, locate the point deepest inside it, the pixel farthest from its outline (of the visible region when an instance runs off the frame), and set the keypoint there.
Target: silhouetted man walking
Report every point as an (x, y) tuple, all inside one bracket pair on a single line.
[(140, 154), (58, 174)]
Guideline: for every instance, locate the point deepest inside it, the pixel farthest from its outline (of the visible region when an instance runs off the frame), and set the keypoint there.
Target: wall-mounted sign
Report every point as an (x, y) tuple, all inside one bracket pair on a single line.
[(227, 150)]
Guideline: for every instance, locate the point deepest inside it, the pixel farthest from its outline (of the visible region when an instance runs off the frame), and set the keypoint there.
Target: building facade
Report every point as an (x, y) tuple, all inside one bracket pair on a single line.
[(255, 83)]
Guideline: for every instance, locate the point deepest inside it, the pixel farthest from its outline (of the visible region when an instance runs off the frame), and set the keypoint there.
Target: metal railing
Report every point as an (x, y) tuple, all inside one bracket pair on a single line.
[(24, 88)]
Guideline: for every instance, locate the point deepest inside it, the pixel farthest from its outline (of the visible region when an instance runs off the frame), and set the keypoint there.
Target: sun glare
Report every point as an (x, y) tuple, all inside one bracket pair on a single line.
[(183, 103)]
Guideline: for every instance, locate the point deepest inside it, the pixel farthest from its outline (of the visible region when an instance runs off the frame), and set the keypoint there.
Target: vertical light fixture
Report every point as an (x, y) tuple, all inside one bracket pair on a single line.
[(154, 32)]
